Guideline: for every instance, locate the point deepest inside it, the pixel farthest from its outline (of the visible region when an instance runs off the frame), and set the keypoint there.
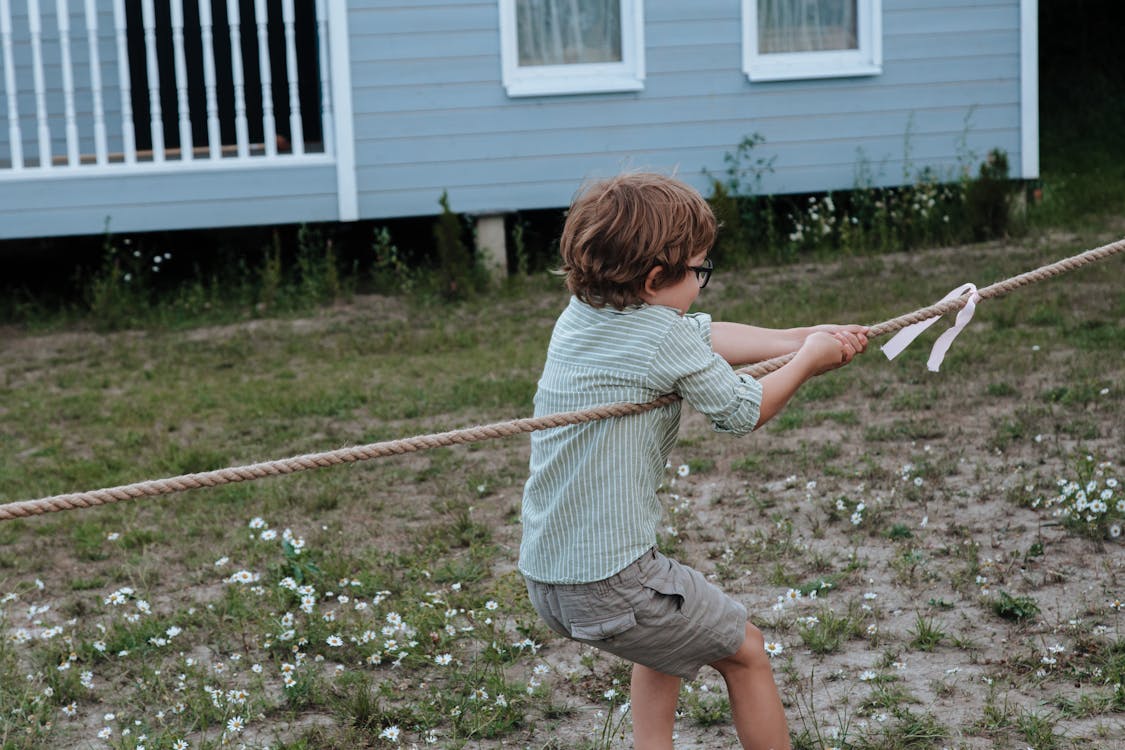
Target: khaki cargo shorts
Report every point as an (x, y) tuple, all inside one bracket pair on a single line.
[(655, 612)]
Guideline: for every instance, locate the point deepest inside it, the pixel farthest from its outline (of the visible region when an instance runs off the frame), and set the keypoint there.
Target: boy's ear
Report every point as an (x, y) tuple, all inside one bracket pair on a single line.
[(652, 278)]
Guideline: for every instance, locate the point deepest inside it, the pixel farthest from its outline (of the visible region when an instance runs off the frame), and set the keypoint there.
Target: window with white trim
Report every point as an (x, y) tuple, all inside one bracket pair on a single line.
[(571, 46), (789, 39)]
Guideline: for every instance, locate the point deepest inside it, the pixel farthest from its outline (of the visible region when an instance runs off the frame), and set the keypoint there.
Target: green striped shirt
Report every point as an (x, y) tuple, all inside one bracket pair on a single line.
[(590, 506)]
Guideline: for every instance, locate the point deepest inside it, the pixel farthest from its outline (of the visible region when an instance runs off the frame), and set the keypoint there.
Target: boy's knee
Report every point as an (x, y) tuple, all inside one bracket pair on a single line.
[(754, 638), (750, 655), (754, 648)]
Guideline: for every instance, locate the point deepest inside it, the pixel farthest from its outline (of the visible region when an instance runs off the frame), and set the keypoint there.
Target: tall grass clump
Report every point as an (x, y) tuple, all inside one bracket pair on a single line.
[(119, 288), (456, 274), (390, 272), (988, 208), (147, 282), (317, 278), (143, 281), (179, 279), (927, 210)]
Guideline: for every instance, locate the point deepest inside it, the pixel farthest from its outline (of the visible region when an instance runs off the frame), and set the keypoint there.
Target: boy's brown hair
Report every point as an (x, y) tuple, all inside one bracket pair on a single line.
[(619, 229)]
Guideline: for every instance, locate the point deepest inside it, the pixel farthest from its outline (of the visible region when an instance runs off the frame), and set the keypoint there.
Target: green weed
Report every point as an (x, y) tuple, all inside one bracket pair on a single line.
[(1018, 608), (926, 634), (706, 707), (1037, 730), (827, 630)]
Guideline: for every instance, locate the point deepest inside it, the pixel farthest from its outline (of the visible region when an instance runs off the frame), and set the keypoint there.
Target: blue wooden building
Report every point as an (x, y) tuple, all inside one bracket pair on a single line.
[(177, 114)]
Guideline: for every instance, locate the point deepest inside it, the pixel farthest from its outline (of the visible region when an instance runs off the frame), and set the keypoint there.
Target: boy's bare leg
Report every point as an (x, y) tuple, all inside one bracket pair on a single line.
[(755, 704), (653, 697)]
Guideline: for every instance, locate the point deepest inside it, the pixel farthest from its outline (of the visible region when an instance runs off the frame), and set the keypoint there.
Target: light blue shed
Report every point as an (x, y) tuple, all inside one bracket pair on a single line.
[(179, 114)]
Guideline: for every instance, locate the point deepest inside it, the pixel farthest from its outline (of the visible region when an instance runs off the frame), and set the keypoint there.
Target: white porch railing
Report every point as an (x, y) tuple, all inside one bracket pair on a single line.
[(116, 84)]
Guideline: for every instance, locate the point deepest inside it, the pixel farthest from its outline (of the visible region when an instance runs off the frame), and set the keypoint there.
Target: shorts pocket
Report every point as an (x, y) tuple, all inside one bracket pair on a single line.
[(666, 583), (603, 628)]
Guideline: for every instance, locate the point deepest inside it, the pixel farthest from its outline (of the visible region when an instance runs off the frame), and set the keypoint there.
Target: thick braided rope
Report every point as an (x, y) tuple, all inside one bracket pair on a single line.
[(217, 477), (233, 474), (999, 289)]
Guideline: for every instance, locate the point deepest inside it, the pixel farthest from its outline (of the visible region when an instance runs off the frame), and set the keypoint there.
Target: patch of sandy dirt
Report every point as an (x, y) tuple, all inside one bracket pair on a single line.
[(965, 535)]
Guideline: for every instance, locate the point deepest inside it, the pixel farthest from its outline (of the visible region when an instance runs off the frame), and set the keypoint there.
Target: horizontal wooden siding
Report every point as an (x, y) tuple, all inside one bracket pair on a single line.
[(431, 114)]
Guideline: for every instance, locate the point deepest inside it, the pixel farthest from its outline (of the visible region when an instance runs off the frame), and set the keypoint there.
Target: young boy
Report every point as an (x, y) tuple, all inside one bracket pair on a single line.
[(634, 252)]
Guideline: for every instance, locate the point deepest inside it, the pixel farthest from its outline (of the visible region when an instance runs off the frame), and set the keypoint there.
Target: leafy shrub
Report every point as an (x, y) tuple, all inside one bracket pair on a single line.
[(745, 217), (988, 198), (457, 275), (389, 272)]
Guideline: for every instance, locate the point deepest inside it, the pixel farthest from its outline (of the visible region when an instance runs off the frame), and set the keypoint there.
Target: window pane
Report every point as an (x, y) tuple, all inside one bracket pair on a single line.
[(806, 25), (561, 32)]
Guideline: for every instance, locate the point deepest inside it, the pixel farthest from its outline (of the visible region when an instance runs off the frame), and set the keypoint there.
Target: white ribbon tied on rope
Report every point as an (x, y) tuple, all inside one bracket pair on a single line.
[(903, 338)]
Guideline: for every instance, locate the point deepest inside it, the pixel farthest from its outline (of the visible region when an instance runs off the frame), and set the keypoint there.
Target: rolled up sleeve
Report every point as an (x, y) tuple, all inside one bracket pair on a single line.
[(687, 365)]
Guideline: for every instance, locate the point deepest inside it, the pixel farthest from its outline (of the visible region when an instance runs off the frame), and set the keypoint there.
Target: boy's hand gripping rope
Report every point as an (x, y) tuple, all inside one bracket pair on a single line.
[(955, 301)]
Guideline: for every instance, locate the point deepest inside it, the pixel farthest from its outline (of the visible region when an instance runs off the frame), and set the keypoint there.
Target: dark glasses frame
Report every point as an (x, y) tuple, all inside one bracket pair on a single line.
[(703, 273)]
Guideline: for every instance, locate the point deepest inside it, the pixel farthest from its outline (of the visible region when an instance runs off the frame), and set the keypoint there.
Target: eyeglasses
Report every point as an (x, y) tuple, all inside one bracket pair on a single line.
[(703, 273)]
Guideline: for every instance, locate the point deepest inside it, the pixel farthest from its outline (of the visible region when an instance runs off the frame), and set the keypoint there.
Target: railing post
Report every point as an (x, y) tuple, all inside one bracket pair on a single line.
[(269, 125), (124, 83), (35, 25), (62, 20), (296, 127), (182, 105), (327, 127), (15, 135), (241, 128), (214, 136), (152, 67), (101, 149)]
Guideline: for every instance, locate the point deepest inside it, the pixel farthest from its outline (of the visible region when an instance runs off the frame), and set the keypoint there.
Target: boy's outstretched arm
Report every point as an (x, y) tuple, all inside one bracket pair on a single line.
[(741, 344), (820, 352)]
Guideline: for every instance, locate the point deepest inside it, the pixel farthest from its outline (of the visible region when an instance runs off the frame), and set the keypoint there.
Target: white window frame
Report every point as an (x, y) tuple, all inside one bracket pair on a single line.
[(867, 60), (547, 80)]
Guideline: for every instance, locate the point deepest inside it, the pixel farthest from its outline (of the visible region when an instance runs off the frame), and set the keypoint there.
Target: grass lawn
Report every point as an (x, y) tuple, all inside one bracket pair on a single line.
[(895, 533)]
